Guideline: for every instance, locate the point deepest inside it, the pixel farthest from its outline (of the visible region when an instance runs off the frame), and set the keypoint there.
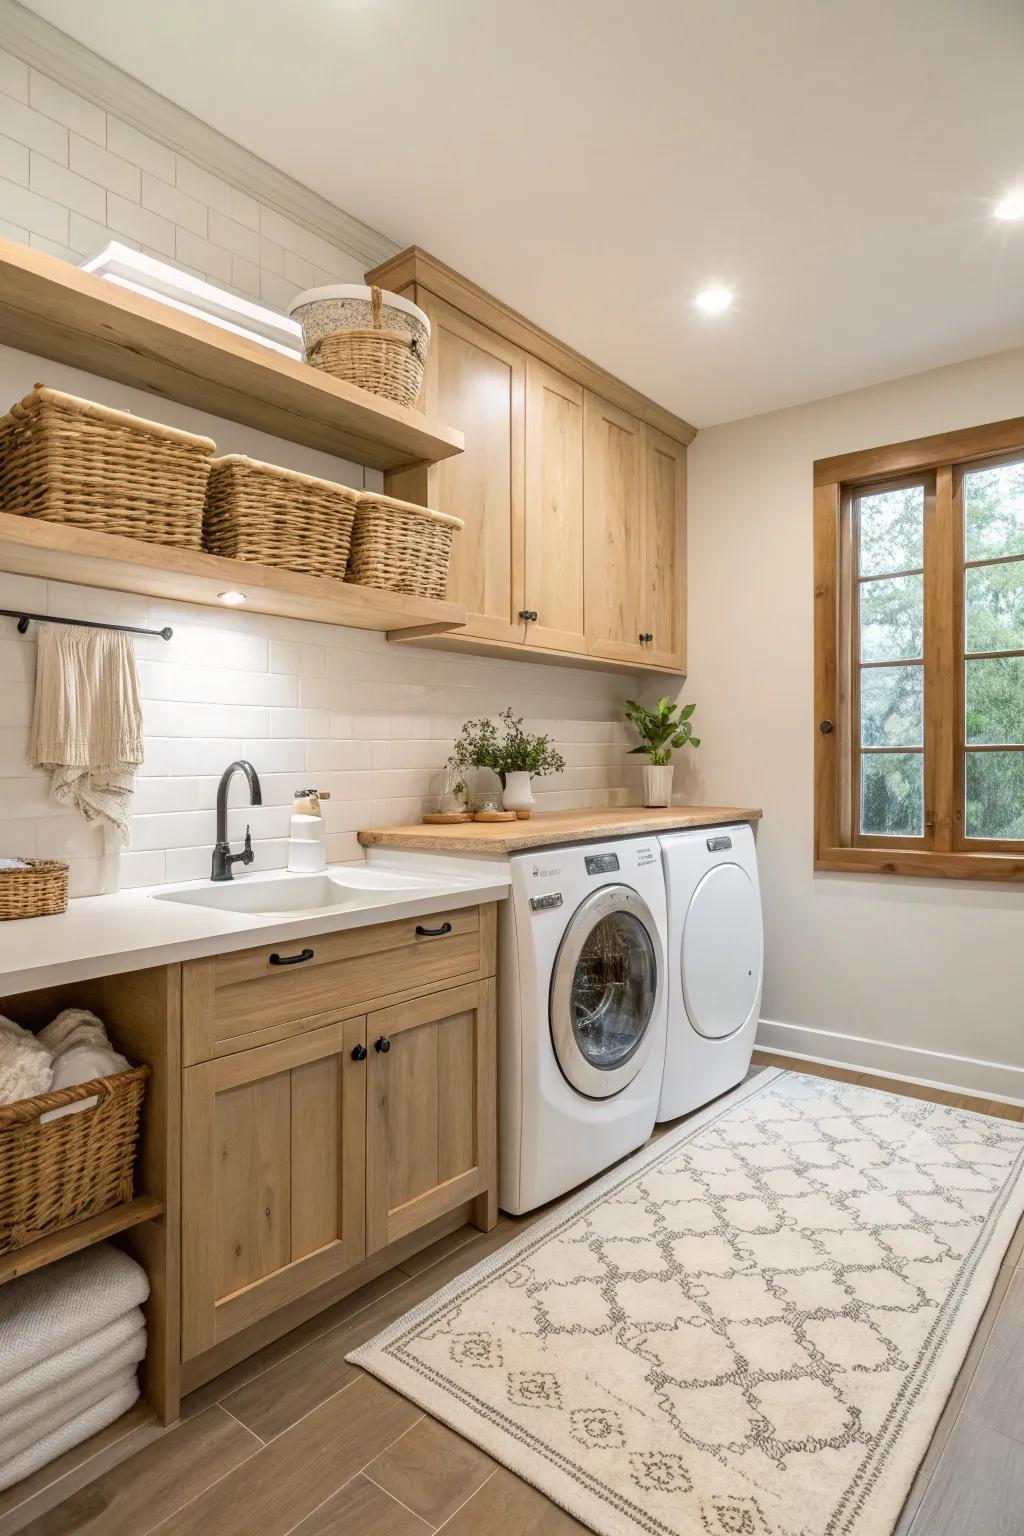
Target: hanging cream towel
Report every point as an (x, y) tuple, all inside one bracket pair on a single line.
[(87, 721)]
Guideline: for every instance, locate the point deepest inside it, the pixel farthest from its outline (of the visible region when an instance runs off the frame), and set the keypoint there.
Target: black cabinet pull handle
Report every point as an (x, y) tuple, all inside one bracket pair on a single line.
[(382, 1044), (359, 1052), (432, 933), (304, 954)]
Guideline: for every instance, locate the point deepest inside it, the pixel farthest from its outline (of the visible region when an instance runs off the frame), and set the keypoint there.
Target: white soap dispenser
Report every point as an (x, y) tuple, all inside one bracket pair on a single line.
[(307, 841)]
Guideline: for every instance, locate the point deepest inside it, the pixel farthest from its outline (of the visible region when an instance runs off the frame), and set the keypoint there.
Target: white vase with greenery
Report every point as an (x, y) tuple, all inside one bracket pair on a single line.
[(662, 731), (513, 754)]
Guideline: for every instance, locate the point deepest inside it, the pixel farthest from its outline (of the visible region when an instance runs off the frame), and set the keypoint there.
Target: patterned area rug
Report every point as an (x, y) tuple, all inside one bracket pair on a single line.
[(748, 1329)]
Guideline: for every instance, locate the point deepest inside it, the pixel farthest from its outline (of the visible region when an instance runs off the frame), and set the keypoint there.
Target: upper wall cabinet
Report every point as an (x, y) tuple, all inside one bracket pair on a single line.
[(572, 487)]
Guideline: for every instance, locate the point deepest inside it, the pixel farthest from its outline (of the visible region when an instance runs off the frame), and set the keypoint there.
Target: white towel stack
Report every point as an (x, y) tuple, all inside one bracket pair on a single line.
[(71, 1338)]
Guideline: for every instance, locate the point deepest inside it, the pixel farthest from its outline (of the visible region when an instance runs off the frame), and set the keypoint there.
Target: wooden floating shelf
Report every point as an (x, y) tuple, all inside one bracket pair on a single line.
[(52, 308), (82, 1234), (59, 552)]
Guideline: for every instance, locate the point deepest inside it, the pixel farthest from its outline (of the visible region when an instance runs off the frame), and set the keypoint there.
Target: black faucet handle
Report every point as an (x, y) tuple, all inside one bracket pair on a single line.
[(247, 853)]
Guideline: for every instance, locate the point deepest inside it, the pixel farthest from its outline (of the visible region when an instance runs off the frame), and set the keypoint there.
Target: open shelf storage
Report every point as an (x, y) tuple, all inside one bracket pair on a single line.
[(81, 1234), (52, 308), (58, 552)]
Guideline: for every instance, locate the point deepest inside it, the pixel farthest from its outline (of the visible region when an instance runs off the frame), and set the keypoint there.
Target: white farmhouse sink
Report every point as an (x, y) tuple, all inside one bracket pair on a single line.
[(298, 895)]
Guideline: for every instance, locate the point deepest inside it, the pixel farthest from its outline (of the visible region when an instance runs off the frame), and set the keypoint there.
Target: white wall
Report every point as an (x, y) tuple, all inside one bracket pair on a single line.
[(930, 965)]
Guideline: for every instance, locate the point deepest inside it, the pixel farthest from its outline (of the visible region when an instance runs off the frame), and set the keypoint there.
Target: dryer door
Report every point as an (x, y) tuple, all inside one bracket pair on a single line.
[(604, 991), (722, 952)]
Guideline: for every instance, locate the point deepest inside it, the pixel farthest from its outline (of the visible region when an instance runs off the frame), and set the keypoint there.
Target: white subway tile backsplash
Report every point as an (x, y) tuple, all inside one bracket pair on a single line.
[(244, 209), (13, 76), (64, 106), (173, 204), (109, 170), (139, 149), (203, 185), (197, 252), (276, 227), (88, 238), (66, 187), (235, 237), (11, 231), (13, 161), (25, 126), (39, 215), (126, 218)]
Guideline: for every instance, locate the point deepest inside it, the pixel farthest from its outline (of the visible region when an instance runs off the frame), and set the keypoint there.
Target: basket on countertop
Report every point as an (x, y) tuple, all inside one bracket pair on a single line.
[(60, 1171), (401, 547), (278, 517), (386, 356), (38, 890), (67, 460)]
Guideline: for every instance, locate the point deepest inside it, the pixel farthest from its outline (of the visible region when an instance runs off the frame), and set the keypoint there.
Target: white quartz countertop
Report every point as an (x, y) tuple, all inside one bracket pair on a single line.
[(132, 930)]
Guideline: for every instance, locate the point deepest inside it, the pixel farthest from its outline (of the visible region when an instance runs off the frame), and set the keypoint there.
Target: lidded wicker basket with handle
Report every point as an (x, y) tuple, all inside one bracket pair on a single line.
[(381, 358)]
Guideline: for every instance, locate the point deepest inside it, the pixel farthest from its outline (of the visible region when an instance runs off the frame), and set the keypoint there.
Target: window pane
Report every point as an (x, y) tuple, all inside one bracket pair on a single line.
[(892, 794), (891, 531), (995, 700), (891, 618), (995, 794), (994, 511), (892, 706), (995, 607)]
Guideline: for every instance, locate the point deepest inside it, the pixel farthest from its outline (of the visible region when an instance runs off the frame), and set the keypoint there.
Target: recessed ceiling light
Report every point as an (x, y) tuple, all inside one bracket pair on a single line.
[(231, 599), (714, 301), (1011, 206)]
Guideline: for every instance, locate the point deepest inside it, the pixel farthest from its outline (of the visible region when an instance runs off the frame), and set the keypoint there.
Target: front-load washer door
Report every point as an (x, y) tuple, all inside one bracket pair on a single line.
[(722, 952), (604, 991)]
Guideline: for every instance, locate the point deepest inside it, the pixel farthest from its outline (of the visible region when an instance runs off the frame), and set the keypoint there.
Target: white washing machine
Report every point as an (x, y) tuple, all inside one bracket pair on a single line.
[(715, 963), (582, 1017)]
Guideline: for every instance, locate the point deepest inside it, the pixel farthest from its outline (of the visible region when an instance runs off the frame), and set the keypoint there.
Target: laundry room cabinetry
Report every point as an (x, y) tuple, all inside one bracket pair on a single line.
[(571, 487), (338, 1100)]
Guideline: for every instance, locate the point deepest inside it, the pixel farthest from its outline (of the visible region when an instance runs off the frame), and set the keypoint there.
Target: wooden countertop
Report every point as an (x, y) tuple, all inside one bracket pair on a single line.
[(545, 828)]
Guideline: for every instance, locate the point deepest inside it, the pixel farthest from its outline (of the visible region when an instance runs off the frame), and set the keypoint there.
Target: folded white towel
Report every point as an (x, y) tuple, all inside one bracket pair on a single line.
[(45, 1312), (87, 721), (62, 1437), (81, 1063), (20, 1431), (82, 1051), (13, 864), (96, 1350), (25, 1063)]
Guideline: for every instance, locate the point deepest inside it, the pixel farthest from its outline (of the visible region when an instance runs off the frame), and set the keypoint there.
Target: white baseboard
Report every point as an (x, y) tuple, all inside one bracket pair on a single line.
[(911, 1064)]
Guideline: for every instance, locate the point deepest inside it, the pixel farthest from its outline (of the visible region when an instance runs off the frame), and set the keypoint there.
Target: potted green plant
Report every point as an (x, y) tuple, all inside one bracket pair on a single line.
[(512, 753), (662, 731)]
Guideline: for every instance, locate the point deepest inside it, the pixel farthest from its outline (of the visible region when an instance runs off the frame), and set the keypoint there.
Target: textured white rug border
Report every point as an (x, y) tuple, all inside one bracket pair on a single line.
[(597, 1510)]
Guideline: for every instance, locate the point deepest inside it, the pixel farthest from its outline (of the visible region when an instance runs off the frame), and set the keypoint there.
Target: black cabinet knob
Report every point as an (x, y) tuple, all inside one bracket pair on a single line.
[(826, 727), (359, 1052), (383, 1044)]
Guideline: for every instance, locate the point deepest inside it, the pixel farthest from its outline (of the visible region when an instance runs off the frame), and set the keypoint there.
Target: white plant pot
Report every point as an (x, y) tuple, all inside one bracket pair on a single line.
[(657, 785), (518, 795)]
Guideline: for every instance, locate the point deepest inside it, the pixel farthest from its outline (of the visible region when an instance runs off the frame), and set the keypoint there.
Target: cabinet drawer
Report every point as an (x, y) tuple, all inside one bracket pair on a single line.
[(231, 1002)]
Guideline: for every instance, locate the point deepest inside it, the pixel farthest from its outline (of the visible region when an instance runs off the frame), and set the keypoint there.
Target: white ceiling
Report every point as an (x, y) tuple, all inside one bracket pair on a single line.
[(595, 162)]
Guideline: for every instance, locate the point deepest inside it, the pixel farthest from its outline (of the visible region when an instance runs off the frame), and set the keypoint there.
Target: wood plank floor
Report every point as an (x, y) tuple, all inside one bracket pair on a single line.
[(296, 1442)]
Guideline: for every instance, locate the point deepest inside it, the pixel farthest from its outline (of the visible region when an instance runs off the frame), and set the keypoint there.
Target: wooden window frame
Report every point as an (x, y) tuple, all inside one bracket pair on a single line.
[(939, 464)]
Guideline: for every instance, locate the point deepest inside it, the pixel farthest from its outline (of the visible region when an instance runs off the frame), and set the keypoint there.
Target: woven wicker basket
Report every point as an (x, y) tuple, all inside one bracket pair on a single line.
[(278, 517), (70, 1168), (40, 890), (385, 362), (67, 460), (401, 547)]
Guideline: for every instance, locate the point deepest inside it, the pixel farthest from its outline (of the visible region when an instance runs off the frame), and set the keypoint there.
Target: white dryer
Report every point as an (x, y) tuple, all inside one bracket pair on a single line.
[(715, 963), (582, 1015)]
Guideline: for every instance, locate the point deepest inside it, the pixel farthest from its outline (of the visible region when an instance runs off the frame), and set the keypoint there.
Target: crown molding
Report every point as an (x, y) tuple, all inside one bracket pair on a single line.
[(54, 53)]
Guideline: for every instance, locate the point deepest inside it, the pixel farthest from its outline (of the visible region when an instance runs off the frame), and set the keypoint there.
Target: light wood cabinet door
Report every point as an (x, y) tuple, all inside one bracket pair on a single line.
[(430, 1127), (663, 590), (273, 1178), (553, 522), (477, 379), (614, 463)]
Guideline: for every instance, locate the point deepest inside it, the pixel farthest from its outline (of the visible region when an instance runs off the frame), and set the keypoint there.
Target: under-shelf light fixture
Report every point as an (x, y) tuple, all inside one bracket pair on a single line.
[(119, 264), (231, 599)]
